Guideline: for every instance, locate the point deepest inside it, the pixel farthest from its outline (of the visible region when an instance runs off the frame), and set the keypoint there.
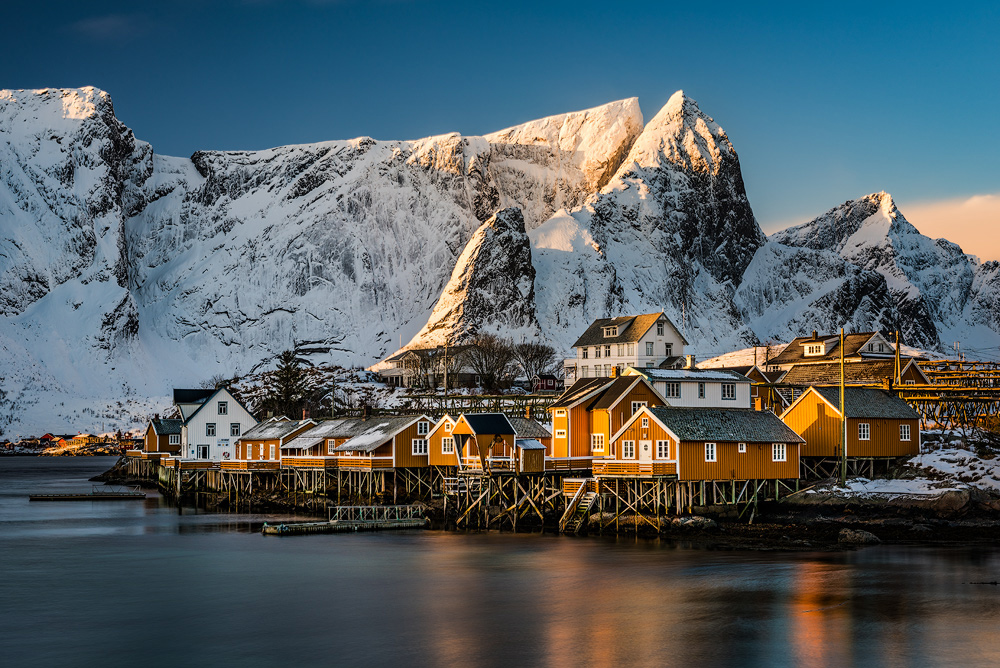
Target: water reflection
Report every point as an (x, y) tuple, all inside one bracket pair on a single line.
[(127, 574)]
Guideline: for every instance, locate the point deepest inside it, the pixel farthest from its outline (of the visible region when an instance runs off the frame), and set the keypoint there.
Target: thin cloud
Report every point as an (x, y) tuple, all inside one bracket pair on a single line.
[(111, 28), (971, 222)]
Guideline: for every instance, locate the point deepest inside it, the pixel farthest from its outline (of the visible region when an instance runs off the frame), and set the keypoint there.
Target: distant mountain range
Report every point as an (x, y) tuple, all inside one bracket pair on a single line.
[(124, 273)]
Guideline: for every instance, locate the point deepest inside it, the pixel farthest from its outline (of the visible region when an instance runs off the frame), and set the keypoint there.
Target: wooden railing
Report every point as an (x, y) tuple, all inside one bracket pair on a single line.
[(365, 463), (571, 485), (567, 463), (375, 513), (572, 505), (619, 467), (310, 462), (251, 465)]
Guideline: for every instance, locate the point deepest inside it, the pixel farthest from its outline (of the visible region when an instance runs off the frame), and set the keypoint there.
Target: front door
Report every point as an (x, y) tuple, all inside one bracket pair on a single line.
[(202, 452), (645, 451)]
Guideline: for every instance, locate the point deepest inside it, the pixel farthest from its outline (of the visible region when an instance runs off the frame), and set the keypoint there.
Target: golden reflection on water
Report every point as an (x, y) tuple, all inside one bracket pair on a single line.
[(820, 618)]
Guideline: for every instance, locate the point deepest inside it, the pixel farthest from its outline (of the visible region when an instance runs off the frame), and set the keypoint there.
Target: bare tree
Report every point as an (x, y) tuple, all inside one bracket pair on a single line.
[(492, 358), (534, 358)]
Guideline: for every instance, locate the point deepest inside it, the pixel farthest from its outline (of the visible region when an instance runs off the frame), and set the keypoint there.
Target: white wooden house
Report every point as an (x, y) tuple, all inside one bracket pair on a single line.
[(213, 421)]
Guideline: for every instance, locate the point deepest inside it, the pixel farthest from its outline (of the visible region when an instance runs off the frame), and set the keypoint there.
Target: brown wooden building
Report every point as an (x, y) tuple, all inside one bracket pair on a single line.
[(703, 444), (879, 424), (263, 441), (586, 415), (387, 442), (441, 443), (163, 436)]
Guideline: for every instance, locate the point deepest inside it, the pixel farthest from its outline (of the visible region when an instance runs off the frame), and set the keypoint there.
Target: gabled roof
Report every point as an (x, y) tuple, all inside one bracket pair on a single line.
[(692, 375), (528, 444), (724, 424), (274, 430), (631, 329), (528, 428), (192, 396), (162, 427), (828, 373), (579, 390), (864, 403), (489, 423), (441, 422), (208, 400), (339, 428), (610, 395), (853, 344), (376, 431)]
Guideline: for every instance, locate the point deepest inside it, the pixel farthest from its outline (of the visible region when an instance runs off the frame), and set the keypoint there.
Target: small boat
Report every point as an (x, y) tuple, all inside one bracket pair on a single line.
[(96, 494)]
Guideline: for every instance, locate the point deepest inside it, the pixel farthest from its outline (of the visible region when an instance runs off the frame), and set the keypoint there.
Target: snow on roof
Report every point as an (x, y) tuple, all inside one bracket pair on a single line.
[(377, 431), (528, 444), (694, 375)]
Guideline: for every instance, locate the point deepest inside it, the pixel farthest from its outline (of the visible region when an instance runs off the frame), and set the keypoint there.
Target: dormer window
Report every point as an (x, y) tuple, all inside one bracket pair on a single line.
[(815, 349), (611, 331)]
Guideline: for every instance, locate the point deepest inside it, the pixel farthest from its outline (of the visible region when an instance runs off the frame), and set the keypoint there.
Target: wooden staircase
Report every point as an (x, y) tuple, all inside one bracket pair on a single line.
[(578, 509)]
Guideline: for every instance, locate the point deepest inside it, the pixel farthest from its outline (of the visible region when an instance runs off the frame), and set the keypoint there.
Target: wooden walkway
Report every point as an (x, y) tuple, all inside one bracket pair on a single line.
[(355, 518)]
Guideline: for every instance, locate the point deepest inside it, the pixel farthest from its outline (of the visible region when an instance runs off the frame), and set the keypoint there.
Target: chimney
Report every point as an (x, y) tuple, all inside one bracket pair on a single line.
[(689, 362), (815, 335), (156, 416), (305, 413)]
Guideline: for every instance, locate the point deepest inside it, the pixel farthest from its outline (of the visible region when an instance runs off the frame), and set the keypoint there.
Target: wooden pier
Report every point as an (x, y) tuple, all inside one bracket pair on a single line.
[(355, 518)]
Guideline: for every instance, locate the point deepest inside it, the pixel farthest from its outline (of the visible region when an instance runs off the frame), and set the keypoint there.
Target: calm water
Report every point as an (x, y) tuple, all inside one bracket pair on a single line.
[(145, 584)]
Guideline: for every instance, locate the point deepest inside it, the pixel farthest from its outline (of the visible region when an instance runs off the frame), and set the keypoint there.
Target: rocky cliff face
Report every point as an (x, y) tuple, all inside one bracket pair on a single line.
[(124, 273)]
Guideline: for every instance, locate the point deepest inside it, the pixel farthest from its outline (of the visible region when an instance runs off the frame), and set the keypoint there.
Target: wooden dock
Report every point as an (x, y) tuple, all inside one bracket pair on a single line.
[(354, 518), (89, 496)]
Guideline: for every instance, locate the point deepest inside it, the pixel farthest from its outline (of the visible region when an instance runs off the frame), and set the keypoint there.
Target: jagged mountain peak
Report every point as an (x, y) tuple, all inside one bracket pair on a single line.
[(864, 221)]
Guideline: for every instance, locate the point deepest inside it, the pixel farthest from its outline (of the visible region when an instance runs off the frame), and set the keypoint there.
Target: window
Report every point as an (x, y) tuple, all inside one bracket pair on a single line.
[(729, 390), (649, 348), (659, 328), (210, 429), (448, 445), (909, 382), (174, 439), (331, 444), (560, 412), (673, 391), (881, 347), (649, 365), (645, 423), (223, 408), (607, 351), (742, 447), (597, 442), (611, 331), (621, 350), (249, 451), (447, 425), (260, 451), (778, 452), (583, 353), (234, 429), (668, 349), (630, 349), (597, 352), (710, 452), (904, 432), (419, 446), (423, 428), (607, 370), (628, 449), (584, 372), (814, 349), (663, 449), (272, 452), (864, 431), (560, 433), (636, 405), (701, 390)]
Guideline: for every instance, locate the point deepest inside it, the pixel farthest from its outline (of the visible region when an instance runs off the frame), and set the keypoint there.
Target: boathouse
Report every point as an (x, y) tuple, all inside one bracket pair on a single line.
[(441, 443), (162, 435), (387, 442), (261, 445)]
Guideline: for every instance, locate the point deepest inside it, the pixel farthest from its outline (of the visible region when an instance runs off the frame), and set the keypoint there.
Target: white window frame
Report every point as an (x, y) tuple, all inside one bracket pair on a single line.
[(663, 449), (583, 353), (779, 453), (611, 331), (710, 452), (584, 371), (448, 445), (636, 405), (223, 408), (729, 388), (597, 442), (742, 447), (560, 433), (909, 382), (668, 349), (331, 445), (423, 428), (234, 429), (660, 328), (607, 350), (209, 429), (597, 352), (249, 450), (814, 349), (672, 390), (630, 349), (701, 390), (271, 453), (649, 349), (904, 432), (628, 449), (174, 439), (560, 412), (418, 446), (448, 426), (645, 422), (864, 431), (260, 451)]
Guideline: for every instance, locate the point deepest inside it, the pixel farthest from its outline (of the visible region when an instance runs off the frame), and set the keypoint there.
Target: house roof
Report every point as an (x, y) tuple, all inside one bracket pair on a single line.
[(579, 390), (528, 428), (867, 402), (376, 431), (528, 444), (417, 351), (339, 428), (828, 373), (631, 329), (163, 427), (192, 396), (209, 398), (795, 351), (699, 375), (273, 430), (489, 423), (725, 424), (610, 395)]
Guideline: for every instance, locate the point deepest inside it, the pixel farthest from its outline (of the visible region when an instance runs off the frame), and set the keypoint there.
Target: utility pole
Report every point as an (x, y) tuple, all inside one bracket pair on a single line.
[(899, 367), (843, 416)]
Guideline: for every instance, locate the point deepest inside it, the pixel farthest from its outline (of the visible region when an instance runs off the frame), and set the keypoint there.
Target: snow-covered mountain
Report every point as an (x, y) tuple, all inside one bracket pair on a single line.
[(124, 273)]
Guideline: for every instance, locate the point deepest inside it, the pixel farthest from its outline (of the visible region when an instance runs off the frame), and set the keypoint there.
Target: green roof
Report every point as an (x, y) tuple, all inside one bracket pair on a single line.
[(866, 402)]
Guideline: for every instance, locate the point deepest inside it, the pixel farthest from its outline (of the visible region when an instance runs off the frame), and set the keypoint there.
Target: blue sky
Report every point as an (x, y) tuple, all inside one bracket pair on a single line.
[(823, 102)]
